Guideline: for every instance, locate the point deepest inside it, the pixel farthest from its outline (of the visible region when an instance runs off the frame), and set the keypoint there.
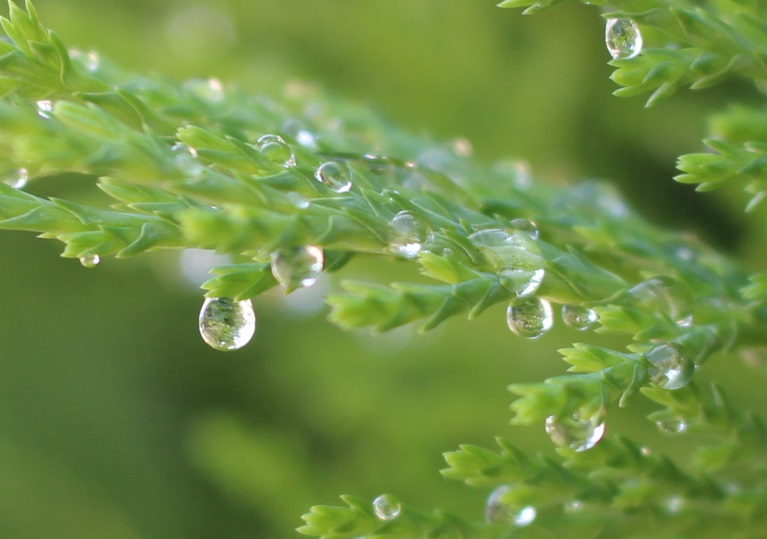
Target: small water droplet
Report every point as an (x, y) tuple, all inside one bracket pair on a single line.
[(672, 425), (274, 148), (674, 504), (462, 147), (623, 38), (645, 451), (90, 261), (185, 158), (408, 235), (335, 176), (527, 226), (211, 90), (500, 511), (387, 507), (226, 324), (298, 200), (530, 318), (573, 506), (514, 256), (297, 267), (575, 433), (17, 178), (579, 317), (44, 108), (89, 60), (670, 366), (297, 130), (666, 295)]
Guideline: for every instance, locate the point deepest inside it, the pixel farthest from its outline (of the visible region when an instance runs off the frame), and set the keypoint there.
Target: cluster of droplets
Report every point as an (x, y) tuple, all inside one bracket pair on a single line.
[(387, 507), (623, 38), (227, 324), (500, 510), (575, 432)]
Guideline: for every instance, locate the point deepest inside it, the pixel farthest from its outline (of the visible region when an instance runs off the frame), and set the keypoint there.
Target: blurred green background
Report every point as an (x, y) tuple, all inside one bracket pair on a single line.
[(116, 421)]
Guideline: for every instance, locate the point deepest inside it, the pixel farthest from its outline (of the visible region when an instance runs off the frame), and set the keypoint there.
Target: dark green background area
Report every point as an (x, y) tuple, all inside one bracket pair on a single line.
[(117, 421)]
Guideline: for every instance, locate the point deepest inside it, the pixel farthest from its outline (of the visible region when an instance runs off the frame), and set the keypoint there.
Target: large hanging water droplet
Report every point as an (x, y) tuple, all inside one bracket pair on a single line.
[(575, 433), (530, 318), (670, 366), (579, 317), (17, 178), (671, 425), (274, 148), (335, 176), (499, 510), (407, 234), (90, 261), (226, 324), (623, 38), (514, 256), (666, 295), (387, 507), (297, 267), (185, 159)]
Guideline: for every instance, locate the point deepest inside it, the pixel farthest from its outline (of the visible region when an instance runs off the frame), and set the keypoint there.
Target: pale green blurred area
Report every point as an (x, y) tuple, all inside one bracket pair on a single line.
[(117, 421)]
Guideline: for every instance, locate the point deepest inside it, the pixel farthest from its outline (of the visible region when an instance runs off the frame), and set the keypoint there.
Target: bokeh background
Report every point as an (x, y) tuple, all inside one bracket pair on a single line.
[(116, 421)]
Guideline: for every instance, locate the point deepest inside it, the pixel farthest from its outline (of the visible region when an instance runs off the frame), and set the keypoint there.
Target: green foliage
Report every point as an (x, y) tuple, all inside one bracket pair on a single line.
[(184, 166)]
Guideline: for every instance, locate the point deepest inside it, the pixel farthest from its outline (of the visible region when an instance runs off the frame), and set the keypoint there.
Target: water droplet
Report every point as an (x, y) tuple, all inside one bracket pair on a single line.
[(672, 425), (335, 176), (514, 256), (498, 510), (623, 38), (408, 235), (90, 60), (297, 130), (185, 158), (298, 200), (579, 317), (670, 366), (530, 318), (44, 108), (462, 147), (527, 226), (90, 261), (575, 433), (645, 451), (297, 267), (666, 295), (573, 506), (17, 178), (674, 504), (226, 324), (274, 148), (387, 507)]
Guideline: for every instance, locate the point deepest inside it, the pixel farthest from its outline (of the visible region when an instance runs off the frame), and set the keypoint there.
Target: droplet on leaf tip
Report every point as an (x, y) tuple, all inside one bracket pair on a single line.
[(226, 324)]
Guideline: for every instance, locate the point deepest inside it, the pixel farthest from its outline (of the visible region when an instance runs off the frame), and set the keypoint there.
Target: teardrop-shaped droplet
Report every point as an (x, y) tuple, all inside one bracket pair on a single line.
[(575, 433), (623, 38), (530, 318), (672, 425), (44, 108), (407, 235), (226, 324), (500, 510), (670, 366), (90, 261), (527, 226), (334, 176), (579, 317), (514, 256), (297, 267), (387, 507), (185, 159), (666, 295), (17, 178), (274, 148)]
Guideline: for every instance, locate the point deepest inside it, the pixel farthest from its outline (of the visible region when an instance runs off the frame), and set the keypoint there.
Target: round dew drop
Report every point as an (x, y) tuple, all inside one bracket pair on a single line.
[(669, 366), (530, 318), (226, 324), (623, 38), (387, 507), (297, 267), (185, 158), (17, 178), (575, 433), (499, 511), (274, 148), (334, 176), (672, 425), (408, 235), (90, 261), (579, 317)]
